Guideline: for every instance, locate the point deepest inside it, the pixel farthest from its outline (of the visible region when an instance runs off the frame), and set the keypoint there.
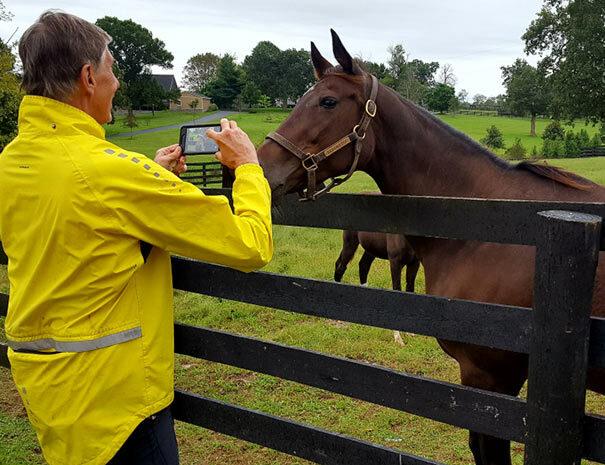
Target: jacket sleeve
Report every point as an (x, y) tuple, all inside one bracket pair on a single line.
[(151, 204)]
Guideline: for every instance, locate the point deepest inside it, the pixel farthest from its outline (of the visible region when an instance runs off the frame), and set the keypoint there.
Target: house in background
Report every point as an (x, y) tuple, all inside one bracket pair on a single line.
[(185, 101)]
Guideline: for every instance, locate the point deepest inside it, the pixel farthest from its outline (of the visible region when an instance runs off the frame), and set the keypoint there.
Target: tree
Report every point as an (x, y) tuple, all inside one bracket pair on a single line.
[(479, 101), (251, 94), (526, 90), (424, 71), (135, 50), (296, 75), (133, 47), (227, 85), (446, 75), (411, 79), (263, 68), (10, 95), (5, 15), (463, 98), (377, 69), (569, 36), (493, 138), (200, 70), (145, 91), (194, 104), (281, 75), (440, 98), (130, 121)]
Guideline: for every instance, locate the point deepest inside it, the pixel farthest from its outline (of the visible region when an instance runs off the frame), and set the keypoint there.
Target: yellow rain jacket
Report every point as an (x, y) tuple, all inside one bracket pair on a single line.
[(73, 210)]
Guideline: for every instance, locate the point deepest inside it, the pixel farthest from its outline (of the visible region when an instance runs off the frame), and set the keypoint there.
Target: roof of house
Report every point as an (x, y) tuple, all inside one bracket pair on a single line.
[(167, 81)]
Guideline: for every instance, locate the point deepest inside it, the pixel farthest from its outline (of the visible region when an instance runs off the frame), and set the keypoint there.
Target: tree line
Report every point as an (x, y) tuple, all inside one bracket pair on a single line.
[(567, 83)]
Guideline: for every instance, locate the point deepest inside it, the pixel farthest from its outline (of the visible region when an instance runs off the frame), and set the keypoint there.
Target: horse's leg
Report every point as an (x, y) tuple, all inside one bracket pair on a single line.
[(350, 241), (364, 267), (410, 274), (396, 267), (489, 450)]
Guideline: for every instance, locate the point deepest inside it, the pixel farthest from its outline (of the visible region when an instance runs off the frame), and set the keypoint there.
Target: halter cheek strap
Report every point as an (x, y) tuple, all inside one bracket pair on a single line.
[(310, 161)]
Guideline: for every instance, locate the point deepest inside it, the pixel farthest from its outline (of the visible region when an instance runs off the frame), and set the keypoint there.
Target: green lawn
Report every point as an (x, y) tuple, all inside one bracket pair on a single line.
[(301, 252), (512, 128), (258, 125), (146, 120)]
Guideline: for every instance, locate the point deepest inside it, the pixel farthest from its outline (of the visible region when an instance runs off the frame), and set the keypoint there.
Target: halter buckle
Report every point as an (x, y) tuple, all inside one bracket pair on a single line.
[(311, 167), (371, 108)]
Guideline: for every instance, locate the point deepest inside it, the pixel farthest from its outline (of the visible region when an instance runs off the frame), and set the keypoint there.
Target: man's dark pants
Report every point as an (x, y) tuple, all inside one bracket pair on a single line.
[(153, 442)]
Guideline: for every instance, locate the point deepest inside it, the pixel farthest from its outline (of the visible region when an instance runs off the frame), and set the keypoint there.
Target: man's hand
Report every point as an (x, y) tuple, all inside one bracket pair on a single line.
[(172, 159), (235, 147)]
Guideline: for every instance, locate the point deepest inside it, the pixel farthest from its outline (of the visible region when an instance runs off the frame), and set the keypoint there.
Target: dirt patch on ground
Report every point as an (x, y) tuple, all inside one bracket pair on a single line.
[(10, 402)]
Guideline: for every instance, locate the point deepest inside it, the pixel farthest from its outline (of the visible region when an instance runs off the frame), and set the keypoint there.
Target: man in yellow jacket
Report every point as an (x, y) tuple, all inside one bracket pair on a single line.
[(90, 318)]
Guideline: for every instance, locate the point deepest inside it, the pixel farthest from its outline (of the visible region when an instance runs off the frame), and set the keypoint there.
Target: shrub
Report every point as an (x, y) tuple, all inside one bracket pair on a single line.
[(583, 139), (595, 141), (554, 131), (493, 138), (212, 107), (516, 151), (571, 146), (534, 153), (552, 148), (264, 101)]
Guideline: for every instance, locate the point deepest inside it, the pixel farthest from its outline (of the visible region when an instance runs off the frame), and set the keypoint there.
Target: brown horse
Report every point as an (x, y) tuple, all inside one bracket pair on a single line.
[(406, 150), (392, 247)]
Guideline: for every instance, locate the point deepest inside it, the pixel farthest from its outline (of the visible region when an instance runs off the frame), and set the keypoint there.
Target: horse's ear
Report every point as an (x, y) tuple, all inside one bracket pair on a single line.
[(342, 56), (319, 62)]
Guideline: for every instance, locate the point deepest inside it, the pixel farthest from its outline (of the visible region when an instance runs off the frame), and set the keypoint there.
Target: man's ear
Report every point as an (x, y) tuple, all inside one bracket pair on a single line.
[(87, 79)]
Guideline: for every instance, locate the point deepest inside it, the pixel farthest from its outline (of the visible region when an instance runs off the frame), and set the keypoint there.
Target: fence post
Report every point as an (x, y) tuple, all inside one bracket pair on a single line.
[(228, 178), (566, 259)]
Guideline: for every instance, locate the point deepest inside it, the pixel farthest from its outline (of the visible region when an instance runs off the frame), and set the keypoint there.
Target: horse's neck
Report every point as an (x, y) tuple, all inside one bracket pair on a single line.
[(415, 155)]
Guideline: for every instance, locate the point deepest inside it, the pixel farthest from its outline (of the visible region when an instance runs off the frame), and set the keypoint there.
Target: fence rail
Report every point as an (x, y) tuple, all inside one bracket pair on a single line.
[(593, 151), (504, 327), (203, 174)]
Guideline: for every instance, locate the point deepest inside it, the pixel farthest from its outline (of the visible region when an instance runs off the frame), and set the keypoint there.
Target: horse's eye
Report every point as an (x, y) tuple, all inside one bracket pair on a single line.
[(328, 102)]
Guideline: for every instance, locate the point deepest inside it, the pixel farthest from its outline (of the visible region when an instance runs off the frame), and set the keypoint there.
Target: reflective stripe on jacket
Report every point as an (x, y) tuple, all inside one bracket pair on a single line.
[(74, 209)]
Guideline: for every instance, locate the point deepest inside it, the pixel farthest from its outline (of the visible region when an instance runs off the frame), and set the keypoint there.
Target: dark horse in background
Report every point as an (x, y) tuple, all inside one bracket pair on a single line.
[(392, 247), (408, 151)]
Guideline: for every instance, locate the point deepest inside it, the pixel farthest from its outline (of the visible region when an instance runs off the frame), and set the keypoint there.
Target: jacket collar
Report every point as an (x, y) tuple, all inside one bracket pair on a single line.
[(42, 114)]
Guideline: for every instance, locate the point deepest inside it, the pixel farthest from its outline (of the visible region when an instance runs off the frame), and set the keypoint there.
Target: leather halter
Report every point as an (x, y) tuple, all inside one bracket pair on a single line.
[(310, 161)]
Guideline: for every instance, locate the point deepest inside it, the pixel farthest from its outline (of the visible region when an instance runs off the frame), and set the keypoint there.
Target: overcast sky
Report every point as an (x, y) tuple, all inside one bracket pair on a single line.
[(475, 36)]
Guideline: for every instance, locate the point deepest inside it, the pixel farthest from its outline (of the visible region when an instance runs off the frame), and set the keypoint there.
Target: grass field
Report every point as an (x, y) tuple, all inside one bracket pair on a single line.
[(259, 124), (146, 120), (310, 253)]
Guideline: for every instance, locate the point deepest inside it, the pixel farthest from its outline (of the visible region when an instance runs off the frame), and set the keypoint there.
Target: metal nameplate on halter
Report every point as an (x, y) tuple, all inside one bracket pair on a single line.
[(337, 146)]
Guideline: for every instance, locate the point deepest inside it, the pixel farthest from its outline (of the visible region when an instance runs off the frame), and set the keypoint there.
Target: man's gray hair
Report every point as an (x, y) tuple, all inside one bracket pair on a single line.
[(53, 51)]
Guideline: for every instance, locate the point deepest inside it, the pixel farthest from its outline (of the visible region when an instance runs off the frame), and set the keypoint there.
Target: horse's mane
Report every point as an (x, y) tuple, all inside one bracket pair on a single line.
[(560, 175)]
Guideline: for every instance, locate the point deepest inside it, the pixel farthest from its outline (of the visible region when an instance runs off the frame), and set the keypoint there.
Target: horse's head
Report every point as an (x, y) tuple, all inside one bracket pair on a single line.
[(327, 113)]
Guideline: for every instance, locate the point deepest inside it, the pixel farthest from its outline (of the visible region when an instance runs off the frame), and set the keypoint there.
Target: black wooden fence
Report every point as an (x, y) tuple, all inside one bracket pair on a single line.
[(598, 151), (560, 336), (203, 174)]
